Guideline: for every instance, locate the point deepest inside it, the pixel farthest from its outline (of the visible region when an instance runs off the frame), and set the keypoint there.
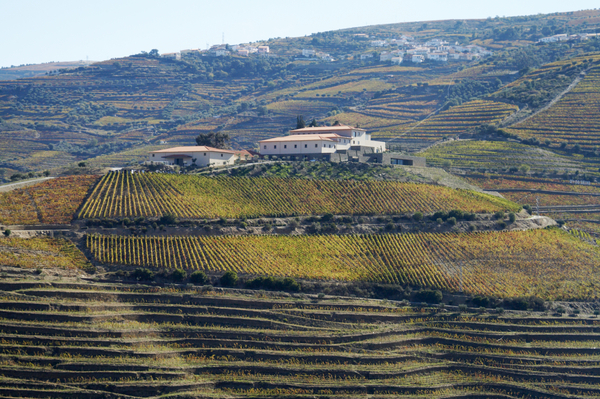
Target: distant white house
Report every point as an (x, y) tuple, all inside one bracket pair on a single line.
[(379, 43), (438, 56), (310, 141), (195, 155), (308, 53), (555, 38), (416, 58), (397, 60), (388, 55), (366, 56), (263, 50), (189, 52), (173, 56)]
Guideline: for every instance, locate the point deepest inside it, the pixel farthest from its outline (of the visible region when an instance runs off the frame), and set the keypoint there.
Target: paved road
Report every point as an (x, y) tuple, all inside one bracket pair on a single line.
[(13, 186)]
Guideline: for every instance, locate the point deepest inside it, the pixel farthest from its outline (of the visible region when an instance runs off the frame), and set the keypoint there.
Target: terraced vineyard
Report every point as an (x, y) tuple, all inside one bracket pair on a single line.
[(460, 119), (575, 119), (492, 263), (497, 155), (152, 194), (579, 204), (53, 201), (99, 340), (37, 253)]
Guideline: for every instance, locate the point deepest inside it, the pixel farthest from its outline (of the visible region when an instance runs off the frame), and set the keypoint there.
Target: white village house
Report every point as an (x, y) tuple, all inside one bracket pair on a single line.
[(310, 141), (196, 155)]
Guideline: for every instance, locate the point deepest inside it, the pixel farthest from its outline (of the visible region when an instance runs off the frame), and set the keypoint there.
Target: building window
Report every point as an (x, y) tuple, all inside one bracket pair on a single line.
[(284, 146), (204, 154), (295, 145), (316, 145), (274, 147), (224, 163), (305, 145), (221, 155), (152, 155), (265, 147)]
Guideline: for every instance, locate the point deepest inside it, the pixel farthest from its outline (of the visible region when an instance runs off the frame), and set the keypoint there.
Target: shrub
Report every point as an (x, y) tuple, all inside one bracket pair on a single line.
[(429, 296), (501, 224), (499, 215), (390, 226), (143, 274), (462, 308), (439, 221), (528, 209), (417, 216), (178, 275), (481, 301), (270, 283), (451, 221), (524, 303), (168, 218), (199, 277), (7, 232), (229, 279), (512, 217)]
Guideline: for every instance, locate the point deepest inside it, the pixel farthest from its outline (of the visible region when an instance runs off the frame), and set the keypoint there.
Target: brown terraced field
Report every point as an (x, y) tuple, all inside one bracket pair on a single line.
[(85, 339)]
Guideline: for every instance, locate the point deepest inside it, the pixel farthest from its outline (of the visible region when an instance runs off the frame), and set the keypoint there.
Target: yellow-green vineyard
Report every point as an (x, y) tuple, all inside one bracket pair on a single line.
[(149, 194), (546, 263)]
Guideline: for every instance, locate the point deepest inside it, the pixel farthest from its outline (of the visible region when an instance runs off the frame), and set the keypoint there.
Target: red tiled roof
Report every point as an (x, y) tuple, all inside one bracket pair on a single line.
[(304, 137), (200, 148), (326, 129)]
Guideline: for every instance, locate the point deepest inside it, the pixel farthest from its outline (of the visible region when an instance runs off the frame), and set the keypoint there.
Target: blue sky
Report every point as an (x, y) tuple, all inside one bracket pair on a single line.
[(35, 31)]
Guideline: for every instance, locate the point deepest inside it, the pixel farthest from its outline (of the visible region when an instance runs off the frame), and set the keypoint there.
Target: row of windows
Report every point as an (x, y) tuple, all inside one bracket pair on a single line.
[(305, 146)]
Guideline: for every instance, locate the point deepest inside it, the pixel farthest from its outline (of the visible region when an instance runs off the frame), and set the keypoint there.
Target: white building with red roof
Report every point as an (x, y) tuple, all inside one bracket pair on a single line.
[(311, 141), (196, 155)]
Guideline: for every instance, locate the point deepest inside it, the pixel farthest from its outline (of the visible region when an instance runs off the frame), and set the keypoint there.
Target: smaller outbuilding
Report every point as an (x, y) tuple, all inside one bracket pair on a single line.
[(196, 155)]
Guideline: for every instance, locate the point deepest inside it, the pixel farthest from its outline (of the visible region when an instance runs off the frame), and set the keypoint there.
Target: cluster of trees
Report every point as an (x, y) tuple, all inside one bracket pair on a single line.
[(215, 140)]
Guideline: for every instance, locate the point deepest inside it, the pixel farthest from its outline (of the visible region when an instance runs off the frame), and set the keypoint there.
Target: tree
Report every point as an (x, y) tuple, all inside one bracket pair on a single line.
[(229, 279), (215, 140), (313, 123), (153, 53), (300, 122), (524, 168), (199, 277), (337, 123), (178, 275), (7, 233), (81, 164)]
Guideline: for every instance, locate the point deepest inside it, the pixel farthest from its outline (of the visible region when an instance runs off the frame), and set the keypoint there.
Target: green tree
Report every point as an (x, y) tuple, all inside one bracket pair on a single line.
[(178, 275), (215, 140), (229, 279), (199, 277), (153, 53), (300, 122), (7, 233), (313, 123)]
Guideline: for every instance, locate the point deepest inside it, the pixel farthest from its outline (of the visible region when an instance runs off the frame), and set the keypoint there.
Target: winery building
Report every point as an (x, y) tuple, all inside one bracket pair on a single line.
[(335, 144)]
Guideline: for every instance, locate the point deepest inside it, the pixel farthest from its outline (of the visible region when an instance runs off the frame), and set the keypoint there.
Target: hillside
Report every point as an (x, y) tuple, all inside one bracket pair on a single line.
[(93, 339), (27, 71), (125, 104)]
